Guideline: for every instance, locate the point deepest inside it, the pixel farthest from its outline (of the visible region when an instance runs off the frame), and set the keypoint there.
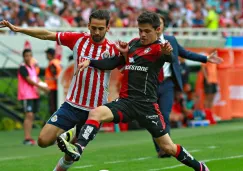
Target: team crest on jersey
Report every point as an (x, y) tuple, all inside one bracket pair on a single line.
[(147, 50), (105, 54), (131, 60)]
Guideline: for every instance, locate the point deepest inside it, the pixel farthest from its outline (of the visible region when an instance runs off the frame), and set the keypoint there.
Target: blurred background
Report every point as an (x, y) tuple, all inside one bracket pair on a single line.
[(202, 26)]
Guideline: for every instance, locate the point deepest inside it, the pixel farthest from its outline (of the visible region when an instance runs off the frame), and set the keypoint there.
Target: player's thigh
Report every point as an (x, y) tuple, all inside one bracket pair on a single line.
[(150, 117), (101, 114), (119, 110), (65, 118), (49, 133)]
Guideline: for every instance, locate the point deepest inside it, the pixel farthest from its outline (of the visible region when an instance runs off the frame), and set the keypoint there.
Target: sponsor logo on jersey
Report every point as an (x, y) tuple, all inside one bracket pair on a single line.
[(136, 68)]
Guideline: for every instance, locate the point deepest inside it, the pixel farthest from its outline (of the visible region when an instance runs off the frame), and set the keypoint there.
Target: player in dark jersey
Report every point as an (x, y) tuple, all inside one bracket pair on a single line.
[(138, 98)]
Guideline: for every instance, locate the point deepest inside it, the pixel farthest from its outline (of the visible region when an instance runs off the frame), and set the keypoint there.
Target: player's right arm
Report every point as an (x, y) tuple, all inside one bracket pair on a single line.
[(33, 32)]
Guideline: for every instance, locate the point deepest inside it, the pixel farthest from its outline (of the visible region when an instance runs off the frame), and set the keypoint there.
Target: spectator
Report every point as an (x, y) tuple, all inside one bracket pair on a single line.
[(212, 20)]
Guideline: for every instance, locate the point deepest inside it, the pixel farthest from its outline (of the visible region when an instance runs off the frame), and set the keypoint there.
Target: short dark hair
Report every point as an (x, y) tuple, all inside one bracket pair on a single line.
[(26, 51), (162, 18), (101, 15), (51, 51), (149, 18)]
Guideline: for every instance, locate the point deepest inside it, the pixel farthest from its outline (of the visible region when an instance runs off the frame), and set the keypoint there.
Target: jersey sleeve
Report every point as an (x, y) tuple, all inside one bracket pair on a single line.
[(23, 71), (68, 38)]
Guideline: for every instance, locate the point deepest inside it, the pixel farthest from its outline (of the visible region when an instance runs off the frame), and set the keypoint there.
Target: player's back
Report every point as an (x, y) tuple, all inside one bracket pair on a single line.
[(141, 71), (88, 88)]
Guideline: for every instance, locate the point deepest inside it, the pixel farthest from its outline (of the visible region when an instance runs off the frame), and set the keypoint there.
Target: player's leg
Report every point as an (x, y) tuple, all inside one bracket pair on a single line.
[(156, 126), (87, 132), (62, 120), (71, 136), (165, 101), (180, 153), (28, 122), (109, 112)]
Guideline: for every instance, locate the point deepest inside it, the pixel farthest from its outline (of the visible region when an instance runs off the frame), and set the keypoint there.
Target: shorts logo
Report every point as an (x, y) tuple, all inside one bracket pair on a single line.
[(29, 108), (105, 54), (152, 116), (156, 123), (54, 118)]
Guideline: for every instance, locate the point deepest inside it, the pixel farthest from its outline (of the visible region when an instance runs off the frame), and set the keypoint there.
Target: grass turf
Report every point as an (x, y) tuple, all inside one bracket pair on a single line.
[(221, 146)]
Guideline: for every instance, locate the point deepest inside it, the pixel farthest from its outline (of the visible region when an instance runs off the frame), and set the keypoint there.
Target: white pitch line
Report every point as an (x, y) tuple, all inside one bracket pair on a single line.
[(13, 158), (82, 167), (141, 158), (114, 162), (207, 160)]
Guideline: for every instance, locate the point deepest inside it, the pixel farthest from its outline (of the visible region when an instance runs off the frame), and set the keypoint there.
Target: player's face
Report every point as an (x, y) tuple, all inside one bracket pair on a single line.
[(98, 29), (147, 33), (27, 57)]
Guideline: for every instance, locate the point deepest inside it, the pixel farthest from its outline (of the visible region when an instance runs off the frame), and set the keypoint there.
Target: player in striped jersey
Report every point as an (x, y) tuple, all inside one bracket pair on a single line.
[(88, 89)]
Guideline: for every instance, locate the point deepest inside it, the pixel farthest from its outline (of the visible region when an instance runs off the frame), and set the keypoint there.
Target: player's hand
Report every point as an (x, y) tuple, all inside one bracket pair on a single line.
[(122, 47), (82, 66), (213, 58), (166, 48), (45, 89), (5, 23)]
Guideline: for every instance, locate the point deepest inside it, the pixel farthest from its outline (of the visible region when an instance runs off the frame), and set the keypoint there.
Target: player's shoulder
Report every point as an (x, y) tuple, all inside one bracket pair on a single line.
[(169, 38), (74, 34), (134, 40), (110, 43)]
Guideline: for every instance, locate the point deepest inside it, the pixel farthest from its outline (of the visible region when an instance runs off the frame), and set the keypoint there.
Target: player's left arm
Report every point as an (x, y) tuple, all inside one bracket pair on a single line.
[(108, 63), (103, 64)]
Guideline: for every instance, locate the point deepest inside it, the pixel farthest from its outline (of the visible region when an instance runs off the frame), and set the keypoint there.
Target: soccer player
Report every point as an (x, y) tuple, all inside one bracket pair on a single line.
[(88, 88), (138, 95), (172, 77)]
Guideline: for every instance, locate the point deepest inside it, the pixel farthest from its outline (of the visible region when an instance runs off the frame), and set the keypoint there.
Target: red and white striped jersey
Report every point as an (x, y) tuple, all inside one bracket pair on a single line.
[(89, 88)]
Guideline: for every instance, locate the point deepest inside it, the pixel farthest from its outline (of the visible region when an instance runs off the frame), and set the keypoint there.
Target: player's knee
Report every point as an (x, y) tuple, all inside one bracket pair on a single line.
[(95, 114), (29, 115), (43, 142)]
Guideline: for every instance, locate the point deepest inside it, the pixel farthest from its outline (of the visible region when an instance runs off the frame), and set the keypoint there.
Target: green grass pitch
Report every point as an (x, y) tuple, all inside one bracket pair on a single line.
[(221, 146)]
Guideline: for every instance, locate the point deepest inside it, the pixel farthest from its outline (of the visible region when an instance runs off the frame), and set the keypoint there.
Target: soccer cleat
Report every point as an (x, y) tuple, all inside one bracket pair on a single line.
[(29, 142), (69, 135), (205, 166), (68, 148)]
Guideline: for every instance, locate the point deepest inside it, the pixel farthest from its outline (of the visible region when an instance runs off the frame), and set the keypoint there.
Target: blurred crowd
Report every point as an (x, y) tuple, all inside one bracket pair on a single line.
[(179, 13), (192, 105)]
